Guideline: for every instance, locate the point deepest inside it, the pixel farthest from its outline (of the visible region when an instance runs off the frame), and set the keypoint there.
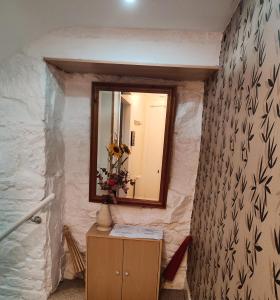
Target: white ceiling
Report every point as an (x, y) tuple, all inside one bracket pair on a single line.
[(21, 21)]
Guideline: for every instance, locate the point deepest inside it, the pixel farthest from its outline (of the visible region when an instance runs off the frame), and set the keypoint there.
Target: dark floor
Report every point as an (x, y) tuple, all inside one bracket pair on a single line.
[(173, 295), (74, 290)]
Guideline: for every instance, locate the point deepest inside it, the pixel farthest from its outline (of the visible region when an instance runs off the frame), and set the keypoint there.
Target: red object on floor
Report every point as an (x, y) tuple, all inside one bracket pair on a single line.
[(174, 264)]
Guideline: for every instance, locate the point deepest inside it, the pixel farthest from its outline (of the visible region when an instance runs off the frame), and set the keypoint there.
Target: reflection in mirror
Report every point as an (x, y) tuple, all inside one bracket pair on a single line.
[(138, 120)]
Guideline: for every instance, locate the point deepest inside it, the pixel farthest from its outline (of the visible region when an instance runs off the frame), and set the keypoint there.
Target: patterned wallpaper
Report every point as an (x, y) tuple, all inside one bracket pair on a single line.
[(236, 217)]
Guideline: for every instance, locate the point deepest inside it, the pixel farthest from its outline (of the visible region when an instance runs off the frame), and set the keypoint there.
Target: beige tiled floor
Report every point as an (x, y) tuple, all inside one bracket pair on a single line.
[(74, 290)]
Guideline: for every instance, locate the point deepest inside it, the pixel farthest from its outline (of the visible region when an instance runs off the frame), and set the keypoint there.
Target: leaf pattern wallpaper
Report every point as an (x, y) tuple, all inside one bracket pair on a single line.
[(236, 217)]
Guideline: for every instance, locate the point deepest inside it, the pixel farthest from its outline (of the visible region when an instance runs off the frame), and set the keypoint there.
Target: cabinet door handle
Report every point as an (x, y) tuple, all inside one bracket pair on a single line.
[(117, 273), (126, 273)]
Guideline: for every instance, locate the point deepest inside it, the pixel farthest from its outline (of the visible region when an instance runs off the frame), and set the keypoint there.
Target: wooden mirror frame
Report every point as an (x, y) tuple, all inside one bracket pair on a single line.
[(167, 146)]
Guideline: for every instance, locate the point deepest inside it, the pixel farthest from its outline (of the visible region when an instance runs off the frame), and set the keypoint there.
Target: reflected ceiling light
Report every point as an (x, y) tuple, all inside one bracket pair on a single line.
[(129, 1)]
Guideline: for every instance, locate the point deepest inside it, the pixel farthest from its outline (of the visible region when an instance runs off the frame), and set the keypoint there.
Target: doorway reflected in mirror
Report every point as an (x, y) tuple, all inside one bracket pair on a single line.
[(137, 120)]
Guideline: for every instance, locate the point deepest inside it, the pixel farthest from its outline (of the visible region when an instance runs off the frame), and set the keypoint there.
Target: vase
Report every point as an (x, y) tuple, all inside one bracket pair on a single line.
[(104, 218)]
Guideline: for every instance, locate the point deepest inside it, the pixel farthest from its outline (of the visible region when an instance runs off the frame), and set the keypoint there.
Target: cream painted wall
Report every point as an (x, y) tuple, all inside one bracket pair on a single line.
[(135, 46)]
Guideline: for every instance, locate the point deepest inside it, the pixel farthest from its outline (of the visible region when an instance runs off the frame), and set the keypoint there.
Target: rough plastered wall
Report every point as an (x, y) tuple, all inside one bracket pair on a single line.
[(25, 270), (55, 152), (79, 214), (236, 217)]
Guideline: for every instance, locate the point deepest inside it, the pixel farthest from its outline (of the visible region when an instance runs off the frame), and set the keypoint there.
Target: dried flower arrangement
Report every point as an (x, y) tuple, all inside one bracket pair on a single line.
[(115, 177)]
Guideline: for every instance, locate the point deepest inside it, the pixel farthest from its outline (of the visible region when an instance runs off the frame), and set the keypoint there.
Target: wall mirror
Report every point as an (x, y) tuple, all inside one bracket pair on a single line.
[(141, 118)]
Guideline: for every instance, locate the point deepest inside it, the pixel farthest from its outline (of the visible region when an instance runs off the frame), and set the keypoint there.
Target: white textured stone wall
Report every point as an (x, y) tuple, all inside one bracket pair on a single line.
[(79, 214), (54, 175), (22, 181), (25, 178)]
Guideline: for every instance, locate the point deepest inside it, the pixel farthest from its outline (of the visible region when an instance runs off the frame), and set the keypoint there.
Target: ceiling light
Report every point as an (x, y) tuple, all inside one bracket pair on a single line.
[(130, 1)]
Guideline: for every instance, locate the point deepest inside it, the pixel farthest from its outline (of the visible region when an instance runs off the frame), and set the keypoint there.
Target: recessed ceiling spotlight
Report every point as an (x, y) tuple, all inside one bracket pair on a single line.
[(130, 1)]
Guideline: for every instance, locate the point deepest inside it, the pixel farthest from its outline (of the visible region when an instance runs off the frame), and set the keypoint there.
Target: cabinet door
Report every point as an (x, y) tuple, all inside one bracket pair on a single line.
[(141, 270), (104, 268)]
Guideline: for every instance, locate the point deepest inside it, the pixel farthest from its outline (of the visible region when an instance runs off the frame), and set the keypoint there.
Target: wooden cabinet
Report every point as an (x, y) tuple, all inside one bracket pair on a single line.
[(104, 265), (122, 268)]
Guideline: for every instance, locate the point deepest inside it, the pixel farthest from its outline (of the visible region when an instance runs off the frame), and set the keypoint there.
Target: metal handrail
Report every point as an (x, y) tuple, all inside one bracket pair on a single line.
[(43, 203)]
